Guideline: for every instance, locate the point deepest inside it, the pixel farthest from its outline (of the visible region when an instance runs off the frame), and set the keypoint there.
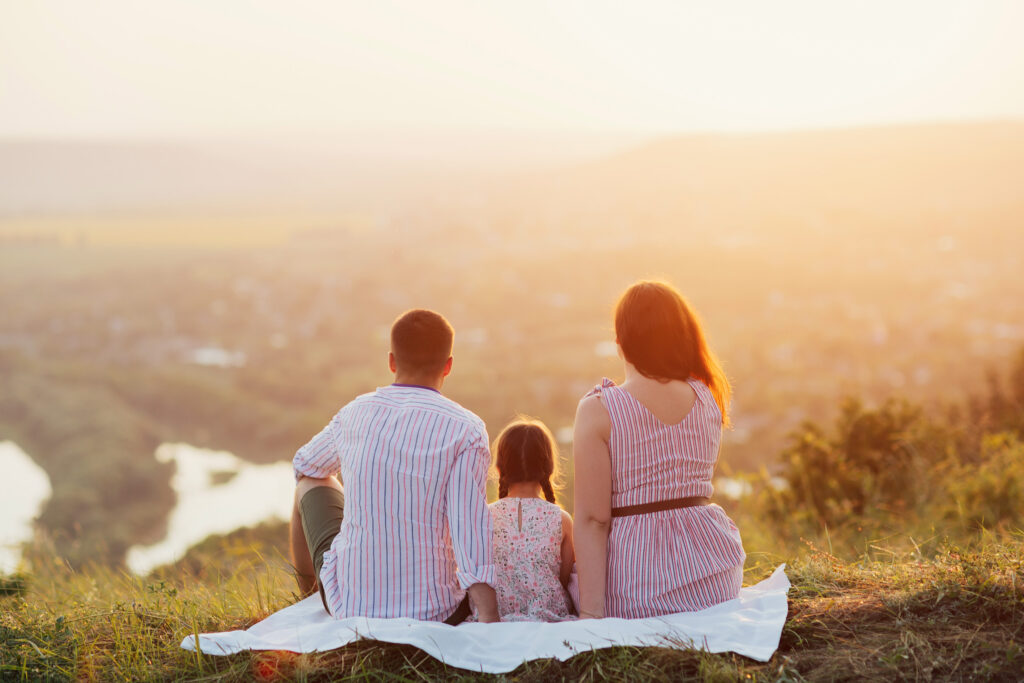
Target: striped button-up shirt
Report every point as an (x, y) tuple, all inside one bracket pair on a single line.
[(416, 530)]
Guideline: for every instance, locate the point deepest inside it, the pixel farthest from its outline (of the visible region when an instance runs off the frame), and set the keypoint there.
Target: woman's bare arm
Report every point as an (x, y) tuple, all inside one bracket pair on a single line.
[(593, 500)]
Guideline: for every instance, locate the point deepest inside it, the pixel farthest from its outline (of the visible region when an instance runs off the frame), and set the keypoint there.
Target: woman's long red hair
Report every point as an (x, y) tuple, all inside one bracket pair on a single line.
[(660, 334)]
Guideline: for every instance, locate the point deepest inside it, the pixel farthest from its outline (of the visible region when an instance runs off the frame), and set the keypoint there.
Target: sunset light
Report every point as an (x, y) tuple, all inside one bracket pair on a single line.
[(120, 68), (549, 340)]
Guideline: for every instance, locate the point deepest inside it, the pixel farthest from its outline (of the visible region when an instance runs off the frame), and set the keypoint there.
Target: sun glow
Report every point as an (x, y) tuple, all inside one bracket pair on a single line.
[(119, 68)]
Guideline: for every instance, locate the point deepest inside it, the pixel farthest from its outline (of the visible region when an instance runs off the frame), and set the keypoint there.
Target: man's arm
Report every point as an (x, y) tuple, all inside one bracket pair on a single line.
[(319, 458), (471, 528), (313, 464)]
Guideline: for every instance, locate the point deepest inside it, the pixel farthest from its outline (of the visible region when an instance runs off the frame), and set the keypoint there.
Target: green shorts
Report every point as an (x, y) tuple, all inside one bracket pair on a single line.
[(322, 510)]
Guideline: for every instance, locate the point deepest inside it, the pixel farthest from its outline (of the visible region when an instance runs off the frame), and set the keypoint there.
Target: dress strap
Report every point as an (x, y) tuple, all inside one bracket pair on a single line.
[(598, 390), (699, 387), (704, 394), (609, 393)]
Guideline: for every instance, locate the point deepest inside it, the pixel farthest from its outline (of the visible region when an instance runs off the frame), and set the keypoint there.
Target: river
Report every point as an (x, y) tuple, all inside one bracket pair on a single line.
[(24, 493), (217, 493)]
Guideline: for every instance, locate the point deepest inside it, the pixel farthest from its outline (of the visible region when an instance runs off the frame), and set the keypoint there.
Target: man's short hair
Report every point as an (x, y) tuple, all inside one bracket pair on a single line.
[(421, 341)]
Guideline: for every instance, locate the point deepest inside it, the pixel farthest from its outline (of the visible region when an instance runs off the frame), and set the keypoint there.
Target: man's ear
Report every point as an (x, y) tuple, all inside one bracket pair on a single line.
[(392, 366), (447, 367)]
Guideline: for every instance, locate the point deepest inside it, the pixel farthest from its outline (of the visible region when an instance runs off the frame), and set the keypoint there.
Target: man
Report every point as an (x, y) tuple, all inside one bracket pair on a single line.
[(407, 533)]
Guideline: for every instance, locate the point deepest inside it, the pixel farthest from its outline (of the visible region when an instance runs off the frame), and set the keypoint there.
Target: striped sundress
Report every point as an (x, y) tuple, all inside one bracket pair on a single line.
[(678, 560)]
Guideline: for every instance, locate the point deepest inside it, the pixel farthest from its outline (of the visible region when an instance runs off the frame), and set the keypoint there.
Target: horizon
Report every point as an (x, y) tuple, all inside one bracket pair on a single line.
[(303, 180), (347, 135)]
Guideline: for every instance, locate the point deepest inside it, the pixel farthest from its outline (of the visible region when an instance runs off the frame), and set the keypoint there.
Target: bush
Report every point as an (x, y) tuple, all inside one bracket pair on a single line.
[(895, 471), (990, 495), (875, 462)]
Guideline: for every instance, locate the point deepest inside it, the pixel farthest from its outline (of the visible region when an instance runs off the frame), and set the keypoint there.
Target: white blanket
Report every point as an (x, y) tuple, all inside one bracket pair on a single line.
[(749, 625)]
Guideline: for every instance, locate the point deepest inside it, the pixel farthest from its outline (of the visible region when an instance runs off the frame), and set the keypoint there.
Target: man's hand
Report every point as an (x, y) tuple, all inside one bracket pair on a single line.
[(485, 600)]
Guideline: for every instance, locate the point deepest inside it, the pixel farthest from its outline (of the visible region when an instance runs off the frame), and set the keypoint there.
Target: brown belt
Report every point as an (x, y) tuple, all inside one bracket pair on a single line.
[(693, 501)]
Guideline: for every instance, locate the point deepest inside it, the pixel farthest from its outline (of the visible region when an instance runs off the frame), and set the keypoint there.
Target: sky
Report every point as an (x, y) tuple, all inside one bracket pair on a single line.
[(129, 69)]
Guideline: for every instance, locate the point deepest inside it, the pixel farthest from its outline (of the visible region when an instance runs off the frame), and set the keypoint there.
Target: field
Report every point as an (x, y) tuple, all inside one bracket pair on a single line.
[(936, 593)]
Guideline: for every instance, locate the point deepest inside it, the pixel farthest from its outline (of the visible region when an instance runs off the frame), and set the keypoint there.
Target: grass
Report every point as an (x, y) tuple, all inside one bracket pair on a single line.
[(956, 616)]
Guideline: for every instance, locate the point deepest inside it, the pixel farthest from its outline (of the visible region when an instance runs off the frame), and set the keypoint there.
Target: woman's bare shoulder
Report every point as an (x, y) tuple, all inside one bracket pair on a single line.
[(592, 409), (592, 418)]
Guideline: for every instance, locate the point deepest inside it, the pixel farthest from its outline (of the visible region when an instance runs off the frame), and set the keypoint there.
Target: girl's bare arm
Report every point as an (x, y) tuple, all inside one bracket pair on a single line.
[(568, 550)]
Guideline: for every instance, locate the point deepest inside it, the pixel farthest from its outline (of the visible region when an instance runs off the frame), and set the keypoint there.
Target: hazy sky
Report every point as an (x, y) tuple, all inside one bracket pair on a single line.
[(215, 67)]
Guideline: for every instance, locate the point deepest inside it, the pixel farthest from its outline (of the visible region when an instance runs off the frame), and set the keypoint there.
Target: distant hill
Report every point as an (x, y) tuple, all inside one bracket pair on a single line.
[(901, 177), (903, 174), (67, 178), (61, 178)]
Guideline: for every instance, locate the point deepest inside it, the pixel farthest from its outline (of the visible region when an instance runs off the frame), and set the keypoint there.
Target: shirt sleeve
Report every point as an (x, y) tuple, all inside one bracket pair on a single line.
[(319, 458), (469, 519)]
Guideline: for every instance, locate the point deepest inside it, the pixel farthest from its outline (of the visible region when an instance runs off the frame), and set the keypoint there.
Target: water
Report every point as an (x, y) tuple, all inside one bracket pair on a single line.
[(732, 488), (736, 489), (25, 492), (212, 356), (217, 493)]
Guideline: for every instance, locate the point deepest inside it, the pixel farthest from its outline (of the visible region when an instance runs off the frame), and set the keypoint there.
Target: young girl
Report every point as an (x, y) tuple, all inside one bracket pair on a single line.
[(533, 551)]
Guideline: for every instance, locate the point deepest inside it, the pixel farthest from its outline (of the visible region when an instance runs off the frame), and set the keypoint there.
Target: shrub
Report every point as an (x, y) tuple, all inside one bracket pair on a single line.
[(991, 494), (876, 461)]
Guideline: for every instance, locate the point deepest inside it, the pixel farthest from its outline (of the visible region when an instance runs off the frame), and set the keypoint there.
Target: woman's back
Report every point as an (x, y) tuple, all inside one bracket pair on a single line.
[(669, 402), (654, 461), (663, 446)]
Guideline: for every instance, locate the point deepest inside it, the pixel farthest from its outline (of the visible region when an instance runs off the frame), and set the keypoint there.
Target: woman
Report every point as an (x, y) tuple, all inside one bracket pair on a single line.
[(648, 540)]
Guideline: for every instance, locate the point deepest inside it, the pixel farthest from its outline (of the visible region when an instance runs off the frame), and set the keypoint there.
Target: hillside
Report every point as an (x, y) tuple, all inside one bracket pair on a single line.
[(754, 182), (898, 170), (957, 617), (247, 176), (902, 533)]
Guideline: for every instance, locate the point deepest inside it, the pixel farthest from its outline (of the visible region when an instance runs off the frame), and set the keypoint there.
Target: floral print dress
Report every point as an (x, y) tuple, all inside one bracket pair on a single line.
[(527, 558)]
